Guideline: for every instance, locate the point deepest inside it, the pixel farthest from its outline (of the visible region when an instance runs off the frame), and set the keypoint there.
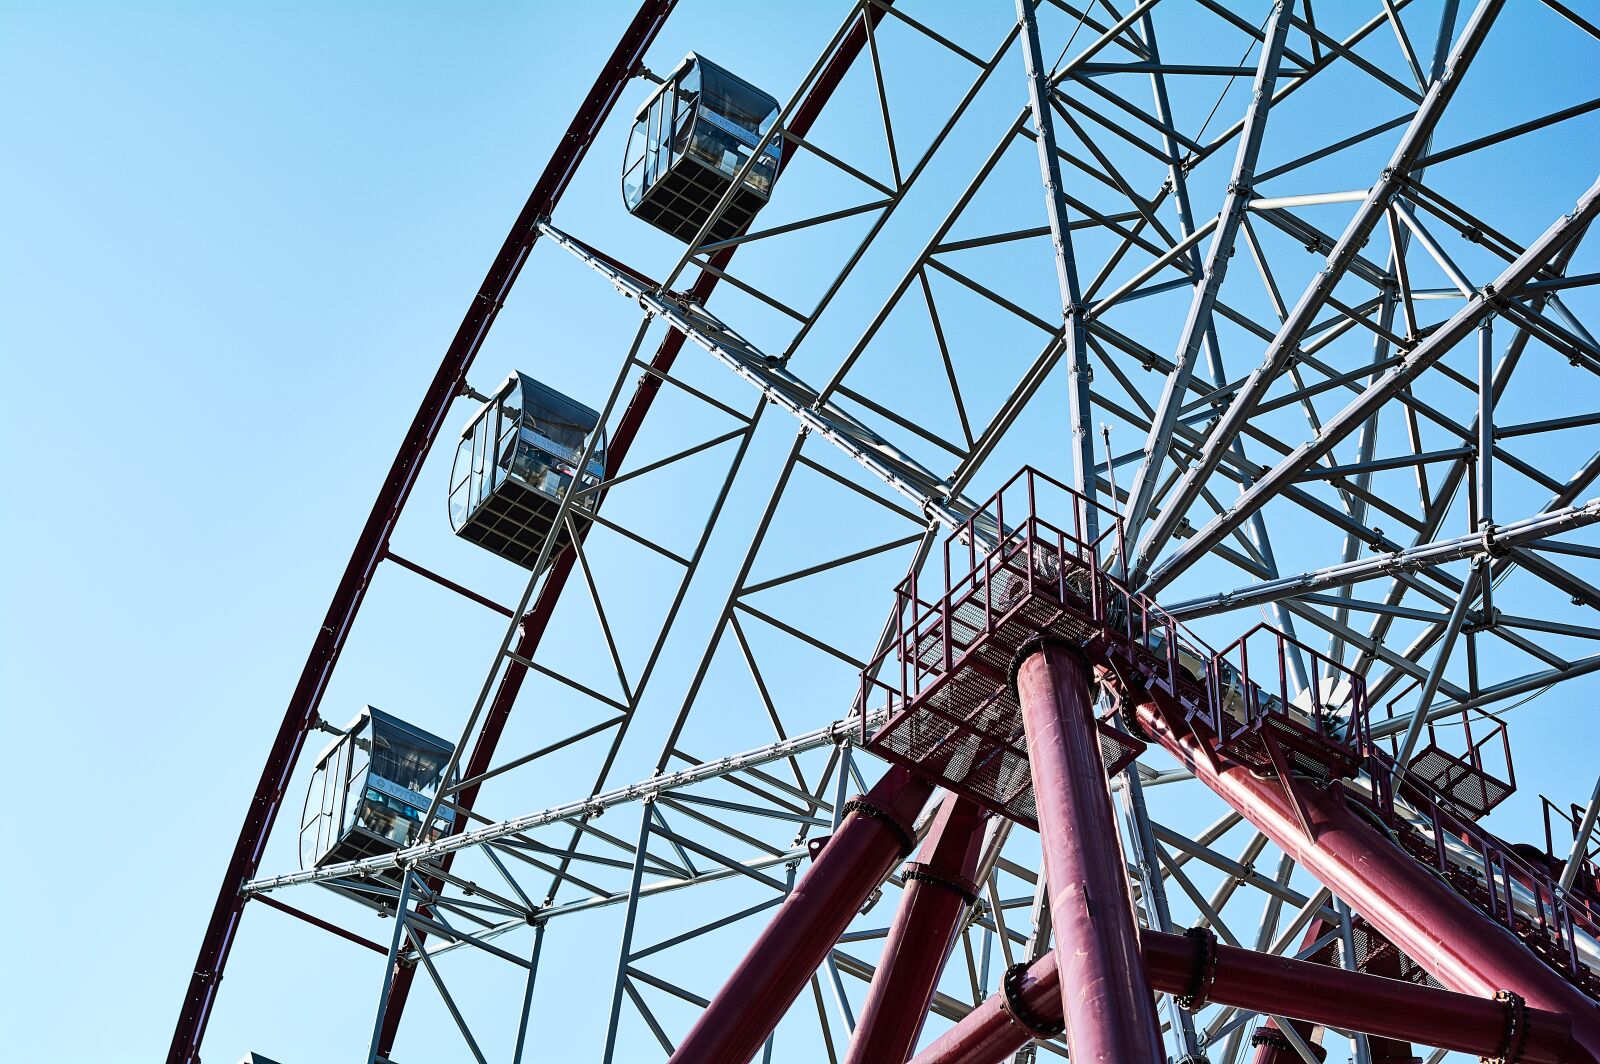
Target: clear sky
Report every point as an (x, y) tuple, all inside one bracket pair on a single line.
[(235, 240)]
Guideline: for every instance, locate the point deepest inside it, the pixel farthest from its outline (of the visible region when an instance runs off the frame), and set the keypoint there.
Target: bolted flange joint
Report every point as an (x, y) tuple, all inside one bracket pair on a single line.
[(1017, 1009), (1204, 973), (1033, 645), (903, 832), (1516, 1036), (963, 888)]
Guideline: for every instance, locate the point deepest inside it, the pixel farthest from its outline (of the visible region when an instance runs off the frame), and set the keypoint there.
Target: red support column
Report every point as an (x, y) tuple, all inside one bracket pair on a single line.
[(876, 835), (1273, 1047), (1110, 1013), (1298, 990), (939, 889), (1447, 936)]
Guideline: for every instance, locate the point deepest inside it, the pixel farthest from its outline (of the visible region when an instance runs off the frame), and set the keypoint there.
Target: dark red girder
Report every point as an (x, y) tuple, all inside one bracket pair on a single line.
[(940, 885), (872, 839), (1261, 982)]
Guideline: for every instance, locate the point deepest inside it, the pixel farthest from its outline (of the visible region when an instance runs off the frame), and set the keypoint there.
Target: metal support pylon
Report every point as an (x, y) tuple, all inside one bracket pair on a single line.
[(1109, 1011), (1454, 942), (875, 836), (1075, 331), (940, 888)]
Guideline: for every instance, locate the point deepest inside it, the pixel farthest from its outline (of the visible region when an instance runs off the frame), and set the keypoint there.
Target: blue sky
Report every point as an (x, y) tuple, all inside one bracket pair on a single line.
[(234, 242)]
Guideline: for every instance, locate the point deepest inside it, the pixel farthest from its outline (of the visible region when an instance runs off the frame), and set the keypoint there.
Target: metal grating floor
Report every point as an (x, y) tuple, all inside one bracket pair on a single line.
[(1470, 789), (964, 728)]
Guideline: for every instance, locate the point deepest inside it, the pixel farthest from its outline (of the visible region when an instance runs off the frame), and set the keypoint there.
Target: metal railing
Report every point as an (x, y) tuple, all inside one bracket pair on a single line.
[(1243, 699), (1008, 557), (1008, 553)]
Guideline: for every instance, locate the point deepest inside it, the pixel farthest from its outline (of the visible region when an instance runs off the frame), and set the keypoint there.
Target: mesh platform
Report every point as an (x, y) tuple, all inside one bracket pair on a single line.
[(964, 727), (1373, 954), (953, 718), (514, 522), (1258, 718), (1464, 785), (1303, 750)]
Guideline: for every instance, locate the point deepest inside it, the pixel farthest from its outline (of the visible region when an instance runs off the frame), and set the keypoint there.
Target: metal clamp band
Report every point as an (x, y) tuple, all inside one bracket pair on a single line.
[(1019, 1011), (859, 804), (967, 891), (1271, 1036), (1128, 695), (1516, 1037), (1032, 645), (1204, 973)]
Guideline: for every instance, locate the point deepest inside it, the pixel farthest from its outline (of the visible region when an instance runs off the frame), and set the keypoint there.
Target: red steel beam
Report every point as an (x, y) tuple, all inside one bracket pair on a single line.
[(1271, 1044), (1386, 962), (939, 889), (618, 445), (301, 712), (1412, 907), (875, 836), (1110, 1014), (1260, 982), (445, 582), (317, 921)]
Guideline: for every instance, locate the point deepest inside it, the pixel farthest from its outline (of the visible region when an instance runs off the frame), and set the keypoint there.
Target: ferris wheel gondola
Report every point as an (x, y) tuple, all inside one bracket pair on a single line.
[(518, 454), (690, 140)]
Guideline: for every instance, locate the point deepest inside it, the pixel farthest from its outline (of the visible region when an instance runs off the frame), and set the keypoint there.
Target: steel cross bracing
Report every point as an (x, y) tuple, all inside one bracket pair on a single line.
[(815, 412), (645, 790), (908, 478), (1131, 173), (848, 37)]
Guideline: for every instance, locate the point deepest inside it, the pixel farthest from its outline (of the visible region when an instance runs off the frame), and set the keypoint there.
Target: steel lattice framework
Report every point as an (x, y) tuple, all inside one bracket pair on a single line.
[(1318, 365)]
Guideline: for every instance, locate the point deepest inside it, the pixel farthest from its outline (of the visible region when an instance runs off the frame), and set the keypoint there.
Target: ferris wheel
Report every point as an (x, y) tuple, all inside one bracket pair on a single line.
[(1052, 570)]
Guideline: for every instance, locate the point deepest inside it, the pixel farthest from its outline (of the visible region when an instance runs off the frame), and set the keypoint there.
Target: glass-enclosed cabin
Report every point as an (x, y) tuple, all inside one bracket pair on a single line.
[(516, 456), (370, 790), (688, 142)]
